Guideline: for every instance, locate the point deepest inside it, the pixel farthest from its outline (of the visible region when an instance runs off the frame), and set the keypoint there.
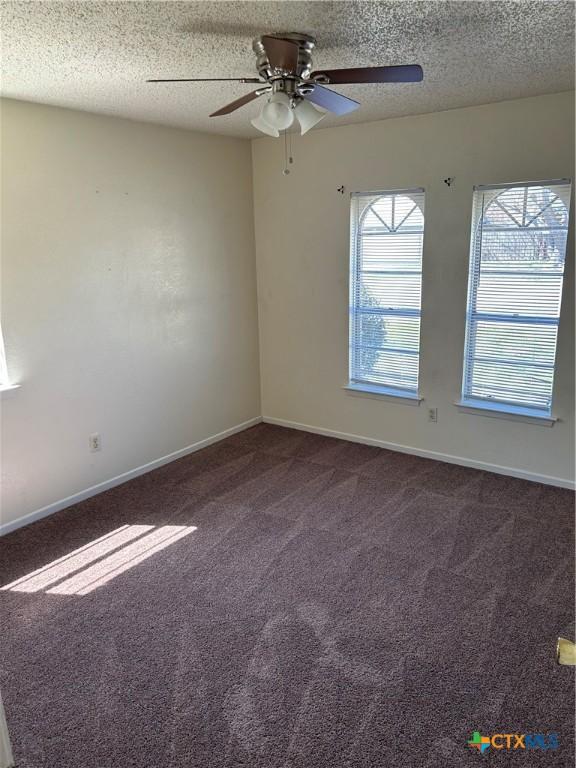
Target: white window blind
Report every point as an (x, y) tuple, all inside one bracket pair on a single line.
[(518, 248), (387, 230)]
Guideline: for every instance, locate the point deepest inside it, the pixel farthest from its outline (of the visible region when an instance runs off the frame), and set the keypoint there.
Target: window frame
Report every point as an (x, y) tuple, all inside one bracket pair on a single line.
[(494, 406), (357, 385)]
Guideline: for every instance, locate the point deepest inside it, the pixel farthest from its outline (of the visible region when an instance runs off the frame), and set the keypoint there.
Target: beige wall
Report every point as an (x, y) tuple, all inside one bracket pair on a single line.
[(128, 287), (129, 300), (302, 263)]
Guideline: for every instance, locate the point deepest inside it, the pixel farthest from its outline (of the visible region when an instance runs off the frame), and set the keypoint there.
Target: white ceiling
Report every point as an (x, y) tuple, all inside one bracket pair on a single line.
[(96, 56)]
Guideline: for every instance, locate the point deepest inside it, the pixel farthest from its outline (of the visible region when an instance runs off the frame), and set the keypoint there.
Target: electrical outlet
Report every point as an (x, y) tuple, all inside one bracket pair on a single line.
[(433, 414), (95, 442)]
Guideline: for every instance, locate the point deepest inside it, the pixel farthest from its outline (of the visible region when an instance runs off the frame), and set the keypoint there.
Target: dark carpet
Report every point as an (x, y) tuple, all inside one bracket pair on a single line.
[(337, 606)]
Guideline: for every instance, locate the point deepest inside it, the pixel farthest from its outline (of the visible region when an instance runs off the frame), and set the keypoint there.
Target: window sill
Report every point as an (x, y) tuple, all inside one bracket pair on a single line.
[(499, 412), (7, 390), (365, 390)]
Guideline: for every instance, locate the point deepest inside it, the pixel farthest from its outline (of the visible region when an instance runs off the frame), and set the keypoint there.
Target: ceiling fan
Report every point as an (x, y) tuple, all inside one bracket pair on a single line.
[(284, 64)]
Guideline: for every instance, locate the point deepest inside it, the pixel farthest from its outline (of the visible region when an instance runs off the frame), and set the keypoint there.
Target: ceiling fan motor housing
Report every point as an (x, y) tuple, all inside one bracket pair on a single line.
[(305, 45)]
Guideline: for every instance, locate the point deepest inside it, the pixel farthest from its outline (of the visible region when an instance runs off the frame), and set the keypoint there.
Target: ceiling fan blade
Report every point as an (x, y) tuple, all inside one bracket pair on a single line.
[(209, 80), (237, 104), (409, 73), (282, 54), (332, 101)]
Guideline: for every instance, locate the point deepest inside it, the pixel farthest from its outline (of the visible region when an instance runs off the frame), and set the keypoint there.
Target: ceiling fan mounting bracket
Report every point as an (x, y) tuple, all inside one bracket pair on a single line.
[(305, 88)]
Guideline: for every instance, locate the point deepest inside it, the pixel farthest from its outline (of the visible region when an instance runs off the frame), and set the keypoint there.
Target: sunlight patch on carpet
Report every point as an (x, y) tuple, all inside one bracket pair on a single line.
[(107, 557)]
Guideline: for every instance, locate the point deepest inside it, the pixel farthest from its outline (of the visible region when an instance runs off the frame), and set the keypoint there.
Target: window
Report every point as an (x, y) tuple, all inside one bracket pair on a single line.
[(4, 383), (514, 292), (387, 230)]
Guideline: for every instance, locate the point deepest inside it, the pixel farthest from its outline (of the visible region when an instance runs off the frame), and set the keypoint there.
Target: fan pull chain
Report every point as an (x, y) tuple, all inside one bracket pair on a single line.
[(288, 159), (286, 170)]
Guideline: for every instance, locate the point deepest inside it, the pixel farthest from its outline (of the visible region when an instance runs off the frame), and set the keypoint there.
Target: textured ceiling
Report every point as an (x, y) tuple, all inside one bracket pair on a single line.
[(96, 56)]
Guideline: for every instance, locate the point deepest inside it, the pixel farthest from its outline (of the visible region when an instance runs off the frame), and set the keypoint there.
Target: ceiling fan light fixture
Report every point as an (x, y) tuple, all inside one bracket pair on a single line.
[(261, 125), (308, 115), (277, 112)]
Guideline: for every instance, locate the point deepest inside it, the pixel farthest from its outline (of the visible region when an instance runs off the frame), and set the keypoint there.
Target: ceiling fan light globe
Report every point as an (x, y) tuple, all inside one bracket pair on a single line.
[(278, 112), (308, 115), (261, 125), (278, 115)]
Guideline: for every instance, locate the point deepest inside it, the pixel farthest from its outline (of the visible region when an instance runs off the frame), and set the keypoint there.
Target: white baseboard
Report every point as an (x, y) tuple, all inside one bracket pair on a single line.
[(123, 478), (497, 468)]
